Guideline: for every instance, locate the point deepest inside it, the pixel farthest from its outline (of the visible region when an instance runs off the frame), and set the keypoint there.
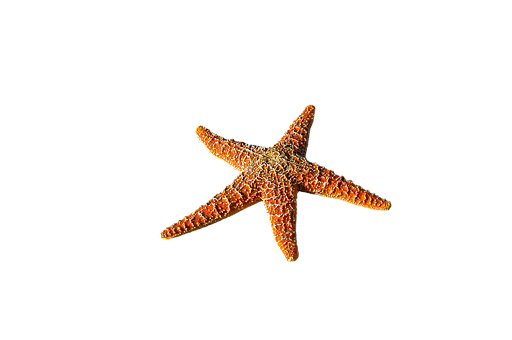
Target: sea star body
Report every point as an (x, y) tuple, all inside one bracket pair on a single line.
[(273, 175)]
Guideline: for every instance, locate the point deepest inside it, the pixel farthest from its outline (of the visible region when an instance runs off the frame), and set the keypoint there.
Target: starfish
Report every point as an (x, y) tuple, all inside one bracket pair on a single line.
[(273, 175)]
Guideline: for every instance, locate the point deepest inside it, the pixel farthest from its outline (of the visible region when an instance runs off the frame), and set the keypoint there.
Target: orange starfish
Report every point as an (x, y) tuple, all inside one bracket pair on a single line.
[(273, 175)]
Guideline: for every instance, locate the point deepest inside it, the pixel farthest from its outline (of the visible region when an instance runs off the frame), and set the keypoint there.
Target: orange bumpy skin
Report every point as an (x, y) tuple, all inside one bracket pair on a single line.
[(273, 175)]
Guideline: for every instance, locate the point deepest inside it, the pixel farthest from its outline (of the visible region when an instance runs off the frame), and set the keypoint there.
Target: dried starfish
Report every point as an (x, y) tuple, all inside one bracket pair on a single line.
[(273, 175)]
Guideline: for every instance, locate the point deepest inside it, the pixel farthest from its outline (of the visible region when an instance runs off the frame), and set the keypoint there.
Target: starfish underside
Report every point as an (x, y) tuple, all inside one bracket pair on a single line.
[(273, 175)]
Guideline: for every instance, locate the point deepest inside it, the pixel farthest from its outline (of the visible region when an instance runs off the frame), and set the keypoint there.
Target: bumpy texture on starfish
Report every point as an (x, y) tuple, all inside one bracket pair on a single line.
[(273, 175)]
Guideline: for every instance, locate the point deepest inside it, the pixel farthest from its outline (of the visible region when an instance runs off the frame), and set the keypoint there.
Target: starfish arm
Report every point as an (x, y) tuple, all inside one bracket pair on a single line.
[(238, 154), (298, 134), (321, 181), (237, 196), (280, 199)]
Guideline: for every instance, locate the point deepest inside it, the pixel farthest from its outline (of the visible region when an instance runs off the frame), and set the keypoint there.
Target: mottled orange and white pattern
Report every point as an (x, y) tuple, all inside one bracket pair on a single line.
[(273, 175)]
